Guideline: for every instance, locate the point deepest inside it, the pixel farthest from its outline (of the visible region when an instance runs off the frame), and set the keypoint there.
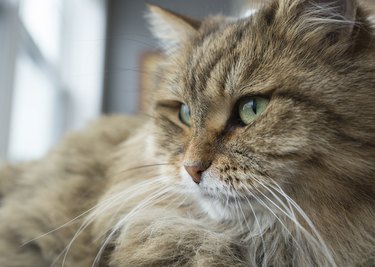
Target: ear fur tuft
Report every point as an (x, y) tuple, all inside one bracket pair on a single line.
[(321, 24), (170, 28)]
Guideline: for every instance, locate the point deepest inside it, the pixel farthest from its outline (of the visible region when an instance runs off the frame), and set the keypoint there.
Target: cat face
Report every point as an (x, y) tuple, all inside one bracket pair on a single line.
[(279, 102)]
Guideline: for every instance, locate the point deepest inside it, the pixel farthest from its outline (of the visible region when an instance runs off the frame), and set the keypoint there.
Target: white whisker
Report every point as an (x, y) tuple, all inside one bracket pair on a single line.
[(325, 249), (142, 205), (260, 231), (318, 241), (107, 204), (273, 213)]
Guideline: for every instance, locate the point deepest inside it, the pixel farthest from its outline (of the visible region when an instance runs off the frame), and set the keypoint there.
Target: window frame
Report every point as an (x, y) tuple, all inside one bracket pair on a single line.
[(10, 20), (64, 74), (16, 39)]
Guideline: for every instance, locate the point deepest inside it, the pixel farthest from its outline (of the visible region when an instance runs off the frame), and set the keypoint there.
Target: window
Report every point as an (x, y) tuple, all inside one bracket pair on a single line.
[(55, 73), (8, 50)]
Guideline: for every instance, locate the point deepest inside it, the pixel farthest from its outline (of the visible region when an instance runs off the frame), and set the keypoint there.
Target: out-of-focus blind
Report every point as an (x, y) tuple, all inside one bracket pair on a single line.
[(8, 50), (51, 72)]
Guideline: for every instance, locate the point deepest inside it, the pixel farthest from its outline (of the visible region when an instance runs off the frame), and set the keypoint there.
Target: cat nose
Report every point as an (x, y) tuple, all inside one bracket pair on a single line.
[(196, 171)]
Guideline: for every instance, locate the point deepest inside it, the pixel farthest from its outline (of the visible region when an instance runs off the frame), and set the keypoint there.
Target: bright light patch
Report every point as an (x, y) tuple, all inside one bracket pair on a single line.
[(33, 112), (249, 13), (42, 19)]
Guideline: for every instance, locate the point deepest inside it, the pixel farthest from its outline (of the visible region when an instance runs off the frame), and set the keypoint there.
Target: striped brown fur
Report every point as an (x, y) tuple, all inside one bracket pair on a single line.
[(295, 187)]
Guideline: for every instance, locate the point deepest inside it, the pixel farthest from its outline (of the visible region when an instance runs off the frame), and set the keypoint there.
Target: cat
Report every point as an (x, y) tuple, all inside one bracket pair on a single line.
[(260, 151)]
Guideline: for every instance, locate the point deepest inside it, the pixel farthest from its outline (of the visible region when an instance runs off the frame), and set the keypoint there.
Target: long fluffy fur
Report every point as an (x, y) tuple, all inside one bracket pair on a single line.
[(296, 190)]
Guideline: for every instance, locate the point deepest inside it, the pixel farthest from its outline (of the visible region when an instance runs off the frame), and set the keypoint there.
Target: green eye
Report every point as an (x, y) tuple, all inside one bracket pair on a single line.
[(185, 114), (250, 108)]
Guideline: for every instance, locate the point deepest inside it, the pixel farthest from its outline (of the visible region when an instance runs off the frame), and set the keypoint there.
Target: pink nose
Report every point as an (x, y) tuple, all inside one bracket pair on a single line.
[(195, 172)]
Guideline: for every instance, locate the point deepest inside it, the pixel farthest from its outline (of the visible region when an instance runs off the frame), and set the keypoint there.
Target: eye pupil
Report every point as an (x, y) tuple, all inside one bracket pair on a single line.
[(250, 108), (254, 105)]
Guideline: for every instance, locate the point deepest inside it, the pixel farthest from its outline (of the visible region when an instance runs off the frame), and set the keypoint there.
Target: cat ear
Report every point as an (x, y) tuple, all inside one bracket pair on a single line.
[(340, 10), (324, 25), (347, 8), (171, 29)]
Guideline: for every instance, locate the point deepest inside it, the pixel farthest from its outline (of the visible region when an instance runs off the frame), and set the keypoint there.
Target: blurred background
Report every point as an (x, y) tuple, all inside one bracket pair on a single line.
[(65, 62)]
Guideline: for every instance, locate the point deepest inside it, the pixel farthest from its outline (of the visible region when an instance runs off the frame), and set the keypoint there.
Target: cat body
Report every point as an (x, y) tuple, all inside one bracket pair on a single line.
[(260, 151)]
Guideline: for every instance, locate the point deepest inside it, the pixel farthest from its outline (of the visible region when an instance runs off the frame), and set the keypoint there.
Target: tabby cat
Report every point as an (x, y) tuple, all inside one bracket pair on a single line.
[(260, 151)]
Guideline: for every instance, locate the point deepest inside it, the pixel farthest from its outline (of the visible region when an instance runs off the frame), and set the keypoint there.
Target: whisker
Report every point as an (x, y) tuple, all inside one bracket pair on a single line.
[(80, 215), (272, 212), (142, 205), (318, 240), (58, 228), (260, 230), (243, 214), (145, 166), (290, 207), (110, 202), (237, 213)]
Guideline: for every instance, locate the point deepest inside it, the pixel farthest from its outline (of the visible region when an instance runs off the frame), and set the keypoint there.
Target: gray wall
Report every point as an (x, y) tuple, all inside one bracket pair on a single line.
[(128, 38), (8, 48)]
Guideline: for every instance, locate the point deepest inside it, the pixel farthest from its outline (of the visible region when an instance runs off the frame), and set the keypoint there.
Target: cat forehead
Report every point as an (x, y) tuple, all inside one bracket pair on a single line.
[(259, 54), (227, 61)]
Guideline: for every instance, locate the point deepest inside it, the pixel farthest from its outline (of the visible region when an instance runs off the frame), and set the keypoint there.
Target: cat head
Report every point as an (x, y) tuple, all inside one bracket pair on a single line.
[(281, 102)]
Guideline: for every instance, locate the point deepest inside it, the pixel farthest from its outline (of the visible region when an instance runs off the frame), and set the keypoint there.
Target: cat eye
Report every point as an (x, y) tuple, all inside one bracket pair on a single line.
[(184, 114), (251, 107)]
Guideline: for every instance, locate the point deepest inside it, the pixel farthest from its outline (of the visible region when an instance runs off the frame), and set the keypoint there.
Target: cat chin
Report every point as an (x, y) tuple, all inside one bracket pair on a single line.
[(233, 210), (216, 210), (220, 204), (245, 221)]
